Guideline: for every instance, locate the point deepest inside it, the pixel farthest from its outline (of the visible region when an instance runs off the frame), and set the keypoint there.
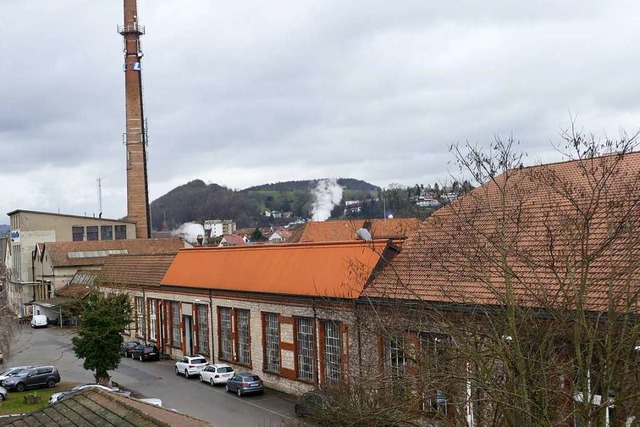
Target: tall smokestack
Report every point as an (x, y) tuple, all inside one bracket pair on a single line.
[(135, 139)]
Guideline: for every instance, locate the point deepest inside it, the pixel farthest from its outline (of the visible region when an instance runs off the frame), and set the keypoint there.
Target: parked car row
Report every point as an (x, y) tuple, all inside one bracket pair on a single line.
[(142, 352), (219, 373)]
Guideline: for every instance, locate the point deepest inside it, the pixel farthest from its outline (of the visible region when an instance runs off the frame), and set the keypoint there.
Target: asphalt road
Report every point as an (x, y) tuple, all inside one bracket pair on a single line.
[(155, 379)]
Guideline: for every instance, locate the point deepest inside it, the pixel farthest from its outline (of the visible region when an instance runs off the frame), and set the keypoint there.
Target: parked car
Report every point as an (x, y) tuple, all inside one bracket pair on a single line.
[(190, 365), (127, 346), (244, 383), (144, 352), (3, 394), (56, 397), (216, 373), (12, 371), (39, 320), (39, 376)]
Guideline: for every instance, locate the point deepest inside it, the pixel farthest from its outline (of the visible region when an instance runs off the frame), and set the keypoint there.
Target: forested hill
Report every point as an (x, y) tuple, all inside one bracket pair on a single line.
[(197, 201), (346, 183)]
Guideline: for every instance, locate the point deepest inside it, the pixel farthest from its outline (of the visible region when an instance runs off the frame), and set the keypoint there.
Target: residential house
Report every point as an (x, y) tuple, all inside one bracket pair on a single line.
[(284, 311), (233, 240)]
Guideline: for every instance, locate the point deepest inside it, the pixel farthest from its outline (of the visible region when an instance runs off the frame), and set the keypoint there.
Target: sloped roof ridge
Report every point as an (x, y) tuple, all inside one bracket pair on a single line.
[(569, 161), (282, 246)]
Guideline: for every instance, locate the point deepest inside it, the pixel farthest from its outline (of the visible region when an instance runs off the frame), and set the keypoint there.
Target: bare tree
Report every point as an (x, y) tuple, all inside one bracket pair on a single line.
[(7, 320)]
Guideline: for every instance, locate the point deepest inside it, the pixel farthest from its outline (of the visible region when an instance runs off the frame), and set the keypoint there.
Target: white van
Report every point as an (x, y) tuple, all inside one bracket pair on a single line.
[(38, 320)]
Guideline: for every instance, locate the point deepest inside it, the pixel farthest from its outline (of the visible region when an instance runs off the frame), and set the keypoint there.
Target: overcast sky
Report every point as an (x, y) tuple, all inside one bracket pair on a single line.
[(250, 92)]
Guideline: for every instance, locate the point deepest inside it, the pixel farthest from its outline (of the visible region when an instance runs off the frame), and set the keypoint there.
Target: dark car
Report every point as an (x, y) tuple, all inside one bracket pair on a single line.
[(127, 347), (40, 376), (144, 352), (245, 383)]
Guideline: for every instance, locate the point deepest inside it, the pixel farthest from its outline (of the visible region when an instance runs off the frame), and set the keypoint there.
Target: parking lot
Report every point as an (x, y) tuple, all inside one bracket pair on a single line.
[(155, 379)]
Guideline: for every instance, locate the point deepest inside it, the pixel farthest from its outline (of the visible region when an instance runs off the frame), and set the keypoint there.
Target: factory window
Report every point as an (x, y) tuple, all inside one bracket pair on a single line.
[(121, 232), (271, 342), (244, 341), (92, 232), (304, 348), (224, 325), (77, 234), (203, 328), (106, 232)]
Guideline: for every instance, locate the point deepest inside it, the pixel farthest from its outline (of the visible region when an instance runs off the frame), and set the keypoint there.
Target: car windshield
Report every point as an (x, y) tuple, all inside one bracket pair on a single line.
[(225, 369), (199, 360)]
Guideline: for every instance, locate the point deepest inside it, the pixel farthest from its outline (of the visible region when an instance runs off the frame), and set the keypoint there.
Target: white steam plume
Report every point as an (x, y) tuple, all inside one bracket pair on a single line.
[(189, 231), (327, 194)]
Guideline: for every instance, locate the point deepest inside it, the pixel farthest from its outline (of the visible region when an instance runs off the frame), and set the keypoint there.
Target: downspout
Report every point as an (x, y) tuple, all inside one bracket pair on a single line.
[(359, 334), (144, 316), (211, 347), (316, 354)]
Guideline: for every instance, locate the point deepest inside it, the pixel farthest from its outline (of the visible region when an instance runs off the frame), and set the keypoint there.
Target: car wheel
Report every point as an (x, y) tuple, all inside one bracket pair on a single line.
[(226, 388), (177, 371), (239, 391), (211, 381), (186, 373), (1, 397), (20, 387), (141, 358), (51, 383)]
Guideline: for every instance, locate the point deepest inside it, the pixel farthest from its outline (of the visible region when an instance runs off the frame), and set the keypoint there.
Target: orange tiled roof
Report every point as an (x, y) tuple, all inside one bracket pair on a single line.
[(135, 270), (328, 269), (456, 256), (88, 252), (345, 230)]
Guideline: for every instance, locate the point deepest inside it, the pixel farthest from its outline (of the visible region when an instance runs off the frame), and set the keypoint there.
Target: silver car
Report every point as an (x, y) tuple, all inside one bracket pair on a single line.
[(3, 394), (245, 383)]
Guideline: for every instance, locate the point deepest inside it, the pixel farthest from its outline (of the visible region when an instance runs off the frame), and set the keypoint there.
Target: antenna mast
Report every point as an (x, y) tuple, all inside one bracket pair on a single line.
[(99, 197)]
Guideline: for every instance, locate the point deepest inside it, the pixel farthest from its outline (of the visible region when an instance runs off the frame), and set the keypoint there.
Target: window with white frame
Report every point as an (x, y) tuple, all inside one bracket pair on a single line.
[(394, 357), (432, 353), (332, 348), (244, 353), (153, 334), (272, 342), (175, 324), (226, 345), (304, 347), (203, 328), (139, 316)]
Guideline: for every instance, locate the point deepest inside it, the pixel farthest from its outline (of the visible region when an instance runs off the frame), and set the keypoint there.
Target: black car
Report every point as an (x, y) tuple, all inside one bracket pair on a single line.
[(40, 376), (127, 347), (144, 352)]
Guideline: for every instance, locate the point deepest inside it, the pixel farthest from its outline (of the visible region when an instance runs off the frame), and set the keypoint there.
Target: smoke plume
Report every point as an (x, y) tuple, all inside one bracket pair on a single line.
[(189, 231), (327, 194)]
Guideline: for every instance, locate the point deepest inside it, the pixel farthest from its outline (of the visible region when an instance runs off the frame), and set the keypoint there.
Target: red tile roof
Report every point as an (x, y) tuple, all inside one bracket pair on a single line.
[(329, 269), (135, 270), (345, 230), (536, 238)]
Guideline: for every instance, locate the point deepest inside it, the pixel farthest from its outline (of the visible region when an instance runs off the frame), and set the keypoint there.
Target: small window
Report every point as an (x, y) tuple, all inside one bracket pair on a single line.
[(92, 232), (106, 232), (77, 234), (121, 232)]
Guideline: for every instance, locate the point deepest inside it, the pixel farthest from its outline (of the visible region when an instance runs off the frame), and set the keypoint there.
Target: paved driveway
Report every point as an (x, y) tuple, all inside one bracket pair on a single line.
[(155, 379)]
